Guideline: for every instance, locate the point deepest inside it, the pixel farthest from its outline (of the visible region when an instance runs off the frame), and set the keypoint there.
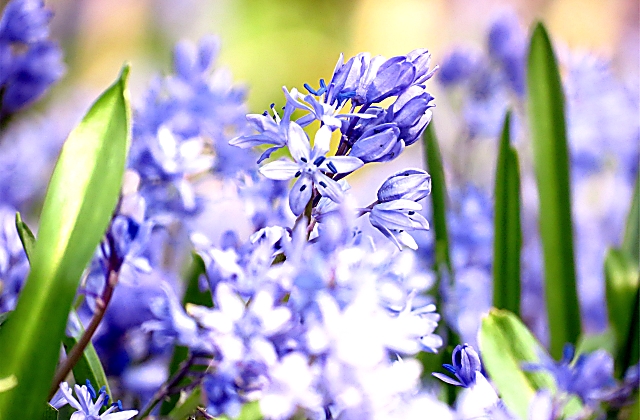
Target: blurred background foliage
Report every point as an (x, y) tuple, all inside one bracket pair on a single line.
[(270, 43)]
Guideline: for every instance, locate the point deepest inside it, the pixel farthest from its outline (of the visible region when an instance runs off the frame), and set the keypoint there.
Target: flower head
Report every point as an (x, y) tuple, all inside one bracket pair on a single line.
[(309, 167)]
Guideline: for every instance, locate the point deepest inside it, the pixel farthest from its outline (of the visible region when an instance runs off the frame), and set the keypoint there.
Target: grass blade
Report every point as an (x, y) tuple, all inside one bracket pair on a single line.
[(82, 194), (551, 160), (631, 241), (507, 241)]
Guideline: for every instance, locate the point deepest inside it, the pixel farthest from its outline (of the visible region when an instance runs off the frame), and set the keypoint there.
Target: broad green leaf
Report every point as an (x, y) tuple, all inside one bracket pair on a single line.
[(80, 200), (507, 241), (621, 286), (551, 161), (195, 296), (26, 236), (506, 343), (89, 365), (631, 241), (50, 413)]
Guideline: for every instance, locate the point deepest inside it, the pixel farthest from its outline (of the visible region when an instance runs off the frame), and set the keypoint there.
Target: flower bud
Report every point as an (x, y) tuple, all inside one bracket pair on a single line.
[(411, 184)]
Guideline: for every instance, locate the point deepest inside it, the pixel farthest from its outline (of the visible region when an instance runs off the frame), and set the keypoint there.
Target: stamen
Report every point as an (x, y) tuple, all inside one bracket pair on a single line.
[(332, 167), (319, 160)]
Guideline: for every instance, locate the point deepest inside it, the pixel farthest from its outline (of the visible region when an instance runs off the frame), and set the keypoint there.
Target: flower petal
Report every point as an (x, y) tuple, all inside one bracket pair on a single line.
[(300, 194), (322, 141), (280, 170), (327, 187), (341, 164), (298, 143)]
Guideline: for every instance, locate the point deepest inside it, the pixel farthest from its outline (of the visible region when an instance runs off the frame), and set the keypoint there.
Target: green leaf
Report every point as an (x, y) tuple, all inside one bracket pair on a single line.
[(506, 343), (442, 263), (26, 236), (551, 161), (50, 413), (89, 365), (508, 233), (438, 199), (80, 200), (622, 286), (631, 241), (185, 408), (194, 296)]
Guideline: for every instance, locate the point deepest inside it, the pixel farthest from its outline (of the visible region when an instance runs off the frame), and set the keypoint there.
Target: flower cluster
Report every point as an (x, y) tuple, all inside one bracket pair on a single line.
[(29, 61), (322, 331)]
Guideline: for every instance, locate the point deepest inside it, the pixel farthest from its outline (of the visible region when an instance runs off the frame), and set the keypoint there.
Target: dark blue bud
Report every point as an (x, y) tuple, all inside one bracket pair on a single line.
[(376, 143), (466, 363), (409, 111)]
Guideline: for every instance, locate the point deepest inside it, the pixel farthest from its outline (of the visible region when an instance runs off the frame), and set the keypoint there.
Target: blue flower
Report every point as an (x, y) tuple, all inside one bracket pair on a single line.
[(378, 143), (466, 366), (309, 166), (271, 131), (410, 184), (86, 408), (395, 218), (590, 376), (29, 62), (25, 21)]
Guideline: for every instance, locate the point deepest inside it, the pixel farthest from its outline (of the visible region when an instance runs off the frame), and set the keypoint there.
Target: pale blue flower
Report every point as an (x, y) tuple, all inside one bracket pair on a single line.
[(395, 218), (87, 409), (409, 184), (309, 166)]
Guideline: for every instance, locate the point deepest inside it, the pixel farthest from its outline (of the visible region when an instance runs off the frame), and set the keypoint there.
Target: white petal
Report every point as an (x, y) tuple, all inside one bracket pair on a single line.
[(280, 170), (341, 164), (167, 141), (298, 143), (322, 141)]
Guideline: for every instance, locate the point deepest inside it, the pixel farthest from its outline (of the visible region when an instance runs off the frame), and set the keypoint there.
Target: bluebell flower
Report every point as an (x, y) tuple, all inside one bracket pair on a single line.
[(378, 143), (327, 114), (457, 67), (25, 21), (87, 409), (409, 184), (590, 376), (29, 62), (508, 46), (410, 112), (395, 218), (291, 386), (182, 132), (271, 131), (309, 166), (466, 366)]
